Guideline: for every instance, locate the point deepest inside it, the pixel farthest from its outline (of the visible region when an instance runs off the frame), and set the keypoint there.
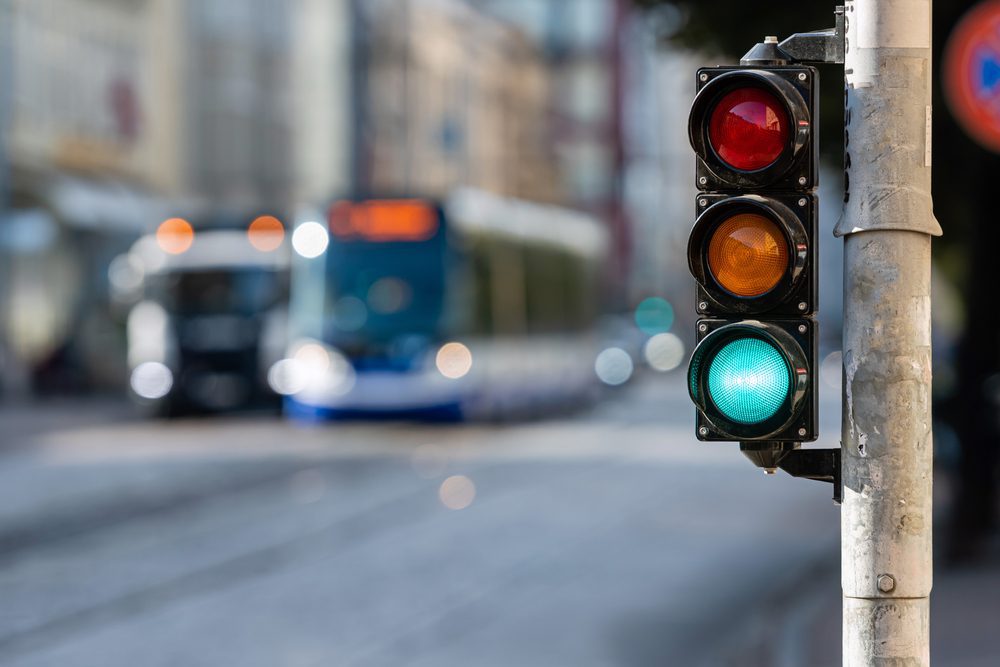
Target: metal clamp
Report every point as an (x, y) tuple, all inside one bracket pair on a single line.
[(818, 46), (823, 465)]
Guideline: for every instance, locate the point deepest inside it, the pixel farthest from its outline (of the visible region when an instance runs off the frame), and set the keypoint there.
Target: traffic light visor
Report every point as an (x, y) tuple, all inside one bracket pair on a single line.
[(748, 380), (748, 255)]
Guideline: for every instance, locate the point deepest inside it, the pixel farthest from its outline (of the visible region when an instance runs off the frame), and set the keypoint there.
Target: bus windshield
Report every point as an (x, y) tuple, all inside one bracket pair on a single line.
[(379, 292)]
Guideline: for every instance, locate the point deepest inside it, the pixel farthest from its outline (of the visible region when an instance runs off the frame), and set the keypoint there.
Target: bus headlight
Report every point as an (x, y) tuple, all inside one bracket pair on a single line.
[(453, 360), (312, 367)]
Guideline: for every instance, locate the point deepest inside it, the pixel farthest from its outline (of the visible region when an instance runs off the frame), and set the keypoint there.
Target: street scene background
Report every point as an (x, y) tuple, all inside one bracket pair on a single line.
[(354, 332)]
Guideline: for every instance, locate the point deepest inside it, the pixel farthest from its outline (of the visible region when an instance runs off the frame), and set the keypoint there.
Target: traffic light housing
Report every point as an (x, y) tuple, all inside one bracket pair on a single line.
[(753, 127), (752, 252)]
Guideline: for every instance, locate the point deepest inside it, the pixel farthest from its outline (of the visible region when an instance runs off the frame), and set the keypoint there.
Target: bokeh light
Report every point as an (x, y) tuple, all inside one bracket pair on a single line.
[(350, 313), (664, 352), (312, 366), (457, 492), (389, 295), (654, 315), (340, 376), (148, 328), (285, 378), (151, 380), (310, 239), (454, 360), (313, 356), (266, 233), (175, 236), (613, 366), (125, 274), (831, 370)]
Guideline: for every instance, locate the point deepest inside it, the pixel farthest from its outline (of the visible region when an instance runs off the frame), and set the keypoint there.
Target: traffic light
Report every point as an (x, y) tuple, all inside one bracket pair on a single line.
[(753, 253)]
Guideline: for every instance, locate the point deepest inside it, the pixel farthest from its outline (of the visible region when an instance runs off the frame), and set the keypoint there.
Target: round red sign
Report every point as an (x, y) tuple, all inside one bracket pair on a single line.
[(971, 73)]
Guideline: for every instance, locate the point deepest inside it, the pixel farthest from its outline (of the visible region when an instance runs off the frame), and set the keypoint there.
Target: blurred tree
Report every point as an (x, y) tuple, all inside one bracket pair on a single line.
[(963, 178)]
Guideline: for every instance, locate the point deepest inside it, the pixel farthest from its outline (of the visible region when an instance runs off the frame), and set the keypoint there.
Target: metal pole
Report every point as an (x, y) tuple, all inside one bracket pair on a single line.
[(886, 433)]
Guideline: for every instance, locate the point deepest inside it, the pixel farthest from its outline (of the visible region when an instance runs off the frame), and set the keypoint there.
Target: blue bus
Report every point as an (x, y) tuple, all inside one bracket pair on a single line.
[(477, 306)]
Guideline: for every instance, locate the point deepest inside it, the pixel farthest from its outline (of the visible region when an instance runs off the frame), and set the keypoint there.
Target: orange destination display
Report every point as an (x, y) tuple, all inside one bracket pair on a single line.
[(384, 220)]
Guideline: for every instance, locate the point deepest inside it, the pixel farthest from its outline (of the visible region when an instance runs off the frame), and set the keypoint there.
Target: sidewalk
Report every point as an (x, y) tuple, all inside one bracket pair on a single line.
[(965, 619), (802, 627)]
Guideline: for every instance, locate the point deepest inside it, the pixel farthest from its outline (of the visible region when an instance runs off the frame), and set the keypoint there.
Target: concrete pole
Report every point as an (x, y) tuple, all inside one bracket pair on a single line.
[(887, 227)]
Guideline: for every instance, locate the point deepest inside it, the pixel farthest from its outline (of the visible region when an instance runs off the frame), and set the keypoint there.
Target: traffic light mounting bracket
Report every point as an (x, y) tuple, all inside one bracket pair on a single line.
[(818, 46), (823, 465)]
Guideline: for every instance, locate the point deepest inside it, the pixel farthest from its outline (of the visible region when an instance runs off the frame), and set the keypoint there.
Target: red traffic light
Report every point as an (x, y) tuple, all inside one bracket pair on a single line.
[(752, 128), (749, 129)]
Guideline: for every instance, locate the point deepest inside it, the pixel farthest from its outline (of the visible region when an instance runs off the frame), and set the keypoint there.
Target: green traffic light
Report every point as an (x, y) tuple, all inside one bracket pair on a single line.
[(748, 380)]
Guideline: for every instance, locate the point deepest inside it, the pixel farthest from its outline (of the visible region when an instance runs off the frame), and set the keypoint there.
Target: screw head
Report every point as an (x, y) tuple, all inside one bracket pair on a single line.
[(886, 583), (802, 202), (803, 305), (703, 180), (703, 431), (802, 76), (802, 180), (702, 202), (703, 77), (802, 328), (702, 328), (702, 305), (802, 432)]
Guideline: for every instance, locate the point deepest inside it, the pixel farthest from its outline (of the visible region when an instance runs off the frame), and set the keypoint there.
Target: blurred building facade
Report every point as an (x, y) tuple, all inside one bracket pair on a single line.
[(80, 89), (84, 144), (584, 43), (236, 96), (452, 96)]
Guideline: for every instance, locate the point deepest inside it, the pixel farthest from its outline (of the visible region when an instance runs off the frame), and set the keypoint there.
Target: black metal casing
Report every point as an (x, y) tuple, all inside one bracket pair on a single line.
[(798, 421), (784, 193), (796, 86), (796, 214)]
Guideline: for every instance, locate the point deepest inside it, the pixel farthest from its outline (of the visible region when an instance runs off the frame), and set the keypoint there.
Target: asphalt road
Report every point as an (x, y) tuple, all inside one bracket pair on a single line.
[(606, 538)]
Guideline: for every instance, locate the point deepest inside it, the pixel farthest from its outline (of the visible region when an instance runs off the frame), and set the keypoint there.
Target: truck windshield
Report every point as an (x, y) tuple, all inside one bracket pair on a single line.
[(242, 291)]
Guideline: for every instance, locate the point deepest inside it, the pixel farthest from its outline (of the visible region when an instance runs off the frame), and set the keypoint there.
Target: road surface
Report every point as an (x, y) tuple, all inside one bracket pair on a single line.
[(610, 537)]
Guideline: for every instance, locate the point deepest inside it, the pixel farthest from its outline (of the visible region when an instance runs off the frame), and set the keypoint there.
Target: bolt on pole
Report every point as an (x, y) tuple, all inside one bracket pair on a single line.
[(887, 225)]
